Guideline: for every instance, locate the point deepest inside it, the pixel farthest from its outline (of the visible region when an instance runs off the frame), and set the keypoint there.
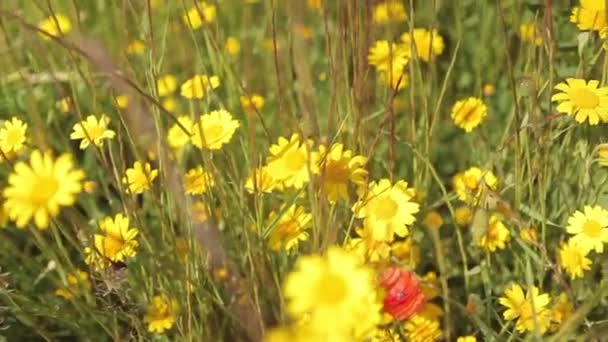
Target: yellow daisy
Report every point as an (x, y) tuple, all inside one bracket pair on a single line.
[(136, 47), (573, 259), (232, 46), (337, 168), (289, 163), (13, 135), (264, 181), (406, 252), (202, 13), (469, 113), (470, 184), (561, 311), (55, 26), (530, 310), (590, 15), (583, 100), (139, 178), (463, 215), (368, 249), (396, 77), (176, 136), (495, 237), (166, 85), (198, 86), (252, 102), (37, 190), (197, 181), (529, 33), (388, 12), (161, 314), (214, 130), (421, 329), (387, 209), (590, 228), (117, 240), (122, 101), (428, 43), (93, 131), (602, 155), (384, 55), (289, 227), (77, 283)]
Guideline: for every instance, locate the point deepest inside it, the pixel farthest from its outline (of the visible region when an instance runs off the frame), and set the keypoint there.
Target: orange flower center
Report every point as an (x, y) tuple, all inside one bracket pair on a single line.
[(43, 189), (385, 208), (336, 172), (584, 98), (592, 229)]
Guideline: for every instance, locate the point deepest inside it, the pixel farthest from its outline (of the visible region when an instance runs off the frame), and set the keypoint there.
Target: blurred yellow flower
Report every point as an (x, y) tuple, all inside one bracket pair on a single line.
[(161, 314), (428, 43), (176, 136), (334, 288), (384, 55), (122, 101), (289, 227), (136, 47), (64, 105), (422, 329), (489, 89), (37, 190), (97, 262), (200, 14), (406, 252), (573, 259), (289, 163), (433, 220), (264, 181), (55, 26), (89, 187), (315, 4), (387, 209), (92, 130), (170, 104), (13, 135), (389, 11), (396, 77), (139, 178), (117, 240), (368, 249), (470, 184), (529, 34), (561, 311), (590, 15), (197, 181), (337, 167), (232, 46), (590, 228), (466, 339), (583, 100), (529, 310), (529, 234), (252, 102), (469, 113), (166, 85), (198, 86), (463, 215), (214, 130), (602, 155), (200, 212), (496, 236), (77, 283)]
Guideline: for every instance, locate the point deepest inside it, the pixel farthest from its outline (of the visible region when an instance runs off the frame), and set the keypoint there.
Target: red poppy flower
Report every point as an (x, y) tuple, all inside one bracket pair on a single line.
[(404, 297)]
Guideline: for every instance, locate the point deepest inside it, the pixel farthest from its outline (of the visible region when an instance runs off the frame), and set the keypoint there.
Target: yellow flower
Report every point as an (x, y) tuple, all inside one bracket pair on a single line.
[(489, 89), (161, 314), (64, 105), (433, 220), (591, 15), (39, 189), (198, 86), (368, 249), (252, 102), (406, 252), (469, 113), (232, 46), (170, 104), (176, 136), (55, 26), (315, 4), (602, 155), (166, 85), (495, 237), (463, 215), (389, 11), (136, 47), (421, 329), (13, 135), (387, 209), (214, 130), (264, 181), (289, 163), (528, 33), (93, 131), (470, 184), (396, 77), (117, 240), (288, 227), (590, 228), (583, 100), (384, 55), (333, 288), (337, 167), (429, 44), (529, 235), (122, 101), (469, 338), (77, 283), (561, 311), (97, 262), (199, 212), (201, 14), (529, 310), (197, 181), (573, 259), (139, 178)]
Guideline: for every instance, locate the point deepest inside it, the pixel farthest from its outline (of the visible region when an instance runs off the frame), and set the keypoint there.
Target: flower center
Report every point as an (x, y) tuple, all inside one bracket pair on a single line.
[(14, 137), (471, 182), (331, 289), (386, 208), (584, 98), (43, 189), (592, 229), (336, 172), (213, 133), (525, 310), (295, 160), (112, 246)]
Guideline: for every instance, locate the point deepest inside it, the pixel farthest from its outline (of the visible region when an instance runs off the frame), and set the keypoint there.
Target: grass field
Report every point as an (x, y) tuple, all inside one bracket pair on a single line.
[(304, 170)]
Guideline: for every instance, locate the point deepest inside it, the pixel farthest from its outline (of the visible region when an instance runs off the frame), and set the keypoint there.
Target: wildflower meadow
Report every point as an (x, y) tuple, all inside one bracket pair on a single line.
[(304, 170)]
